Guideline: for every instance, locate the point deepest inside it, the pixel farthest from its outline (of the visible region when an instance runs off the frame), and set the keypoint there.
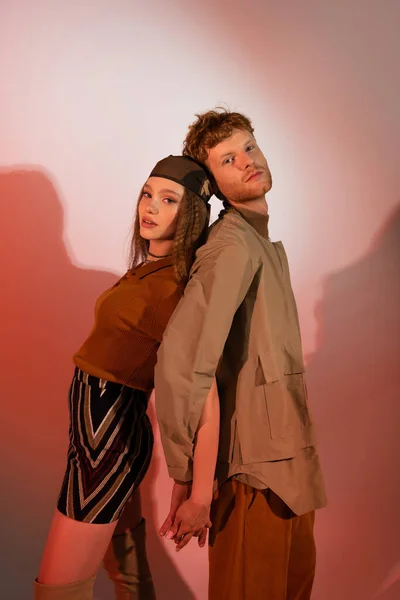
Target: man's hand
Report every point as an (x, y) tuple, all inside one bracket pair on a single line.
[(191, 519), (180, 493)]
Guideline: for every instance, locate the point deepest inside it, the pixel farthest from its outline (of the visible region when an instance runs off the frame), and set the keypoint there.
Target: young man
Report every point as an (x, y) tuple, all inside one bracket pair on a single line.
[(238, 323)]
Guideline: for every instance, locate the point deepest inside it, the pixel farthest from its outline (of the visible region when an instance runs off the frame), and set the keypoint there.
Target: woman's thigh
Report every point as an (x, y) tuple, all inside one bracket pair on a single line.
[(74, 550)]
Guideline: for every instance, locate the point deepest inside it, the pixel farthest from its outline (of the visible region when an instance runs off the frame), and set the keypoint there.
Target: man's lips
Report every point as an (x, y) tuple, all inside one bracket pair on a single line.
[(148, 223), (254, 175)]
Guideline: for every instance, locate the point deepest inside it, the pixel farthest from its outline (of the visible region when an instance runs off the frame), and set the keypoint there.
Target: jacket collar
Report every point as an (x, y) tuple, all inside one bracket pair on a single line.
[(258, 221)]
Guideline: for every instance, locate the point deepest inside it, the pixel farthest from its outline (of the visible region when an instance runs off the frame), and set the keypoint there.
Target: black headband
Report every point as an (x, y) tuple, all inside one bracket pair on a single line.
[(187, 172)]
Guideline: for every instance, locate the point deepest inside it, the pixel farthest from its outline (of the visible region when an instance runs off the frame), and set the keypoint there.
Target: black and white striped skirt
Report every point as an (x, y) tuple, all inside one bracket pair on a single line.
[(111, 442)]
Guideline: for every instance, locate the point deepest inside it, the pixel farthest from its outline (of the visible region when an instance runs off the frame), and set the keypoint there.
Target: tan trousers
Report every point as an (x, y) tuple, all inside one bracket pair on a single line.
[(259, 550)]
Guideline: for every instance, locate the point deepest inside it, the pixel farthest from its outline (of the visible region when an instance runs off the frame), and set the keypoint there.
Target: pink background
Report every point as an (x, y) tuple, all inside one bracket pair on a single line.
[(92, 94)]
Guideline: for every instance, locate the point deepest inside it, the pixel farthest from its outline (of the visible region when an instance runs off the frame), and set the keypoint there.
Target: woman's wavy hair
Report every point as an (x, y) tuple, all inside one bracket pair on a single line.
[(192, 222)]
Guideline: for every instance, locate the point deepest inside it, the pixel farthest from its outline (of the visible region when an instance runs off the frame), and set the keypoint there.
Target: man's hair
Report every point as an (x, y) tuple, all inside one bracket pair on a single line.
[(191, 232), (210, 129)]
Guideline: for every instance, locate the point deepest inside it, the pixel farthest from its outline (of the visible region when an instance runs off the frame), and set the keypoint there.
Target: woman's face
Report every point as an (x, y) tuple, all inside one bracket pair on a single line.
[(158, 208)]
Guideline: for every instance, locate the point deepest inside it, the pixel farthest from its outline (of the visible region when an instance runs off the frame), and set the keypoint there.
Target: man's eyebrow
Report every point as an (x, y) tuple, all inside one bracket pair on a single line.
[(227, 154), (249, 141)]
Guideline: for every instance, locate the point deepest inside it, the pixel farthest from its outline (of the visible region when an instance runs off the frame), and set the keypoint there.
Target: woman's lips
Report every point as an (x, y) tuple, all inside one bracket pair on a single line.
[(148, 223)]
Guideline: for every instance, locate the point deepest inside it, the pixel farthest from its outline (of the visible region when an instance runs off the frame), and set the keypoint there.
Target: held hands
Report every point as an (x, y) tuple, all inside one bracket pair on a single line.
[(188, 517), (191, 519), (180, 493)]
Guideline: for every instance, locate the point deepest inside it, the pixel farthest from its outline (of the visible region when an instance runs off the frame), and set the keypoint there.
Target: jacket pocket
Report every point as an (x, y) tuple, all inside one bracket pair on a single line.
[(286, 403)]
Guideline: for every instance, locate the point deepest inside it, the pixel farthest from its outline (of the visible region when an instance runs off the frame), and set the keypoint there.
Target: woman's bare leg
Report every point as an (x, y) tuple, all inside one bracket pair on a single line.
[(74, 550)]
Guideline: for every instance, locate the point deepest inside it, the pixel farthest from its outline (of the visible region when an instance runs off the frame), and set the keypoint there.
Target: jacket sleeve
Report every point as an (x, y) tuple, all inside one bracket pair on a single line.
[(193, 343)]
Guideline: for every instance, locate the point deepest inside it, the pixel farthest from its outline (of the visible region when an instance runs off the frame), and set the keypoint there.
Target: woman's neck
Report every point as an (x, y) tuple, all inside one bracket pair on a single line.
[(160, 248)]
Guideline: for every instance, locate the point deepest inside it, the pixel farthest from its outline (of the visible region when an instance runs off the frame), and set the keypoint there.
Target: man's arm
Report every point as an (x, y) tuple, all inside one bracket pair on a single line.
[(193, 344)]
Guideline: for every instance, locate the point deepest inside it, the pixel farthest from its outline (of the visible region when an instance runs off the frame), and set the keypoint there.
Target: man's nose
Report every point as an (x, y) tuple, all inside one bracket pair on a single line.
[(244, 161)]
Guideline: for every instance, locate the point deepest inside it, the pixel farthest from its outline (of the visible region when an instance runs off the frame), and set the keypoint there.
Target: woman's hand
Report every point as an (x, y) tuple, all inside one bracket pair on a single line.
[(180, 493), (191, 519)]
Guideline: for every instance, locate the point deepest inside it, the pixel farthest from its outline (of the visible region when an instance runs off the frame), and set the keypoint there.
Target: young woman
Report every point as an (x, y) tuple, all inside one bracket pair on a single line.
[(110, 434)]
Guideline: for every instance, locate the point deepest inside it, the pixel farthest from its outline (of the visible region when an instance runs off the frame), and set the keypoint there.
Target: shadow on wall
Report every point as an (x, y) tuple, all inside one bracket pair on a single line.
[(46, 310), (354, 384)]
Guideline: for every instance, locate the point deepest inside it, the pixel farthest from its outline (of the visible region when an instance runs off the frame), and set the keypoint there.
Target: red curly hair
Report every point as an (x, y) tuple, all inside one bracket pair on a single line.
[(211, 128)]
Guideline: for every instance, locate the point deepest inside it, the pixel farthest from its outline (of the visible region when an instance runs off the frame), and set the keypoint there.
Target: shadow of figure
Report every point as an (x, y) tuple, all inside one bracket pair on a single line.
[(46, 310), (354, 385)]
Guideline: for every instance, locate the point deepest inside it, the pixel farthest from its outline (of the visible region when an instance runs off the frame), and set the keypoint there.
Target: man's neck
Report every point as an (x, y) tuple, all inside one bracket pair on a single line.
[(258, 205)]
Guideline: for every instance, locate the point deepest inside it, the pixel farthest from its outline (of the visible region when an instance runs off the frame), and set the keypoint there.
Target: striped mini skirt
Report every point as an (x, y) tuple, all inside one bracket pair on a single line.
[(111, 443)]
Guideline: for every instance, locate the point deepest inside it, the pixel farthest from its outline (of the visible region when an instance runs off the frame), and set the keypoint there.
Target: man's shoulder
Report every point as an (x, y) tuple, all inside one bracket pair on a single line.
[(229, 227), (227, 244)]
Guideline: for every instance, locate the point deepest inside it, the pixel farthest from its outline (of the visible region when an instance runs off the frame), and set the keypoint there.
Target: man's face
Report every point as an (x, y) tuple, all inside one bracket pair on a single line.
[(239, 167)]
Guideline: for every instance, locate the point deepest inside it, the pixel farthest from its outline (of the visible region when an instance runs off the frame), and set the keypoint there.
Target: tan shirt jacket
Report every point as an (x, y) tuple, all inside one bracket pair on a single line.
[(238, 321)]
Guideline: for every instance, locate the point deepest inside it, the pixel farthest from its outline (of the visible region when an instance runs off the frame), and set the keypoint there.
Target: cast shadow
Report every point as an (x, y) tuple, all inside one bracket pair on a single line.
[(354, 385), (46, 310)]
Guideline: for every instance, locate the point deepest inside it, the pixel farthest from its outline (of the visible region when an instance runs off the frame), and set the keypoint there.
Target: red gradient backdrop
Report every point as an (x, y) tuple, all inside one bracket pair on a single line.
[(93, 93)]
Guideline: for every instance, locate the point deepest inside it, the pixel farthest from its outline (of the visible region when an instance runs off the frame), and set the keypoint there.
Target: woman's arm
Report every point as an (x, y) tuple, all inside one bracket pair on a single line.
[(190, 503), (206, 449)]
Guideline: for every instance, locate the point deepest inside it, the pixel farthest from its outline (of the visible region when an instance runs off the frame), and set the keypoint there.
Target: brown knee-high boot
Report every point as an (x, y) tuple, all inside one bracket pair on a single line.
[(79, 590), (127, 565)]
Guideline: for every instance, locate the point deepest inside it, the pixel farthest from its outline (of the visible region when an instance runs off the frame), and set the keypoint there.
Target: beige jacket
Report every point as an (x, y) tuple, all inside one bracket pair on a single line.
[(238, 320)]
